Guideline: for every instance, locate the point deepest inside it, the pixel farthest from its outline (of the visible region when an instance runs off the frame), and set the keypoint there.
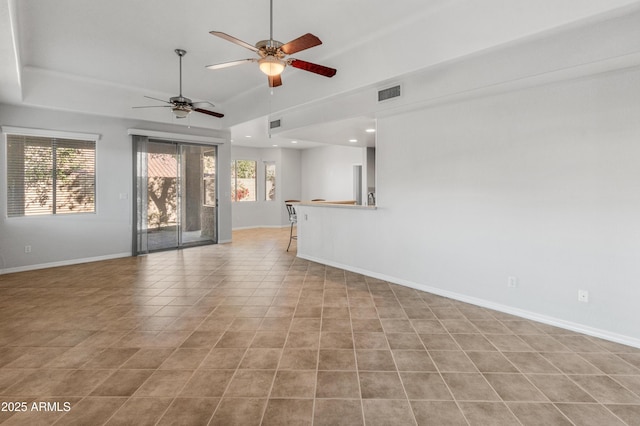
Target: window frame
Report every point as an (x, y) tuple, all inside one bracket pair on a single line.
[(267, 164), (206, 180), (234, 181), (8, 131)]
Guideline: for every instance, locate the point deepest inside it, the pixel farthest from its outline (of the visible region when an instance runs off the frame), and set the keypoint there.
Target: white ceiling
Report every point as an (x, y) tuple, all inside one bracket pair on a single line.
[(103, 56)]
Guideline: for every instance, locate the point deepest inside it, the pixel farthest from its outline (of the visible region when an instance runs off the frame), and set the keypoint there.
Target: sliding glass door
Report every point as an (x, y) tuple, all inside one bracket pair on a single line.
[(176, 195), (198, 194)]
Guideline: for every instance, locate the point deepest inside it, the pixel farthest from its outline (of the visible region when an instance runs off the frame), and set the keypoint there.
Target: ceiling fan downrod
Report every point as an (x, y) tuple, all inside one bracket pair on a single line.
[(271, 20), (180, 53)]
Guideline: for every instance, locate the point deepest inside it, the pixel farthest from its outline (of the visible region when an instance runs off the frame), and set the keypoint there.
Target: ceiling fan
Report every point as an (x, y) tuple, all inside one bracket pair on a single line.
[(181, 106), (273, 54)]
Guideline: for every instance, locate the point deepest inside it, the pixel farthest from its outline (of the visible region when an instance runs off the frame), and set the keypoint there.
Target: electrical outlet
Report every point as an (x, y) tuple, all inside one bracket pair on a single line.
[(512, 282), (583, 296), (27, 249)]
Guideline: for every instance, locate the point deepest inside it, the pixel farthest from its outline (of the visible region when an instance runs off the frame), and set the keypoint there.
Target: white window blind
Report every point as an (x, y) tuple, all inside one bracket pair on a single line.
[(49, 175)]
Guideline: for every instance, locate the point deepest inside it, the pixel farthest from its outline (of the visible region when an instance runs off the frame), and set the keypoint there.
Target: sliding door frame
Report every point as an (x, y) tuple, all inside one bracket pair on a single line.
[(140, 244)]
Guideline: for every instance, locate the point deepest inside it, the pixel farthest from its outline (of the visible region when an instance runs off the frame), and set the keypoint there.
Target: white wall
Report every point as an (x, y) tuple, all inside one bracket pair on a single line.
[(327, 172), (291, 172), (108, 232), (541, 184)]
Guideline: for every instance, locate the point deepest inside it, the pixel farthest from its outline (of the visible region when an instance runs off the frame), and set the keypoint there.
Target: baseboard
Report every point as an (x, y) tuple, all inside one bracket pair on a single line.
[(62, 263), (534, 316), (241, 228)]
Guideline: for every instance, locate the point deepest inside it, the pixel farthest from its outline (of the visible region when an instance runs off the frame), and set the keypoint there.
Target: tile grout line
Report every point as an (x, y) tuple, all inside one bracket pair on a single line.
[(210, 350), (315, 386), (192, 373), (355, 352), (481, 373), (275, 374), (404, 389), (564, 374), (244, 354), (455, 401)]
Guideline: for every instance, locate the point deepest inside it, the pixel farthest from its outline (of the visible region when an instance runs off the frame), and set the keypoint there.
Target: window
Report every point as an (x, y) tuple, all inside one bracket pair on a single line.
[(269, 180), (209, 178), (243, 180), (50, 175)]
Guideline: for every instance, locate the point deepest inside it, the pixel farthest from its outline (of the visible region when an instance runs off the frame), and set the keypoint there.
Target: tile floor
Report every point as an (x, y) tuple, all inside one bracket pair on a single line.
[(246, 334)]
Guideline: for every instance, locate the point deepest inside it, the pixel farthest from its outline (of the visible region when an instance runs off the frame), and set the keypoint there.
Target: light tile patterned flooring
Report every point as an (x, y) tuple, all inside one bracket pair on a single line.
[(246, 334)]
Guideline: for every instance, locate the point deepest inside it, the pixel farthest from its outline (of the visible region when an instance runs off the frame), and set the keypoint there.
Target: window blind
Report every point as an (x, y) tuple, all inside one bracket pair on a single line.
[(50, 175)]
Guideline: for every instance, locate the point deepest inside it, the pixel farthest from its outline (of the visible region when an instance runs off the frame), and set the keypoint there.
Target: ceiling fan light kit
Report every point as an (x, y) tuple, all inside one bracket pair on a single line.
[(180, 112), (271, 65)]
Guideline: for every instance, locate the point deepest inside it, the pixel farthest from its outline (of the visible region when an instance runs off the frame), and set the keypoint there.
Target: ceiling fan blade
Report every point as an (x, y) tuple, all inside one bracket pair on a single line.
[(314, 68), (275, 80), (156, 99), (206, 111), (301, 43), (229, 64), (234, 40)]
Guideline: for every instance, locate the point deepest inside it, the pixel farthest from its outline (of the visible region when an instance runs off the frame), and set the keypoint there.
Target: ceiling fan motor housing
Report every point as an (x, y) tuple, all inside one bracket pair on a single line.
[(270, 47), (180, 100)]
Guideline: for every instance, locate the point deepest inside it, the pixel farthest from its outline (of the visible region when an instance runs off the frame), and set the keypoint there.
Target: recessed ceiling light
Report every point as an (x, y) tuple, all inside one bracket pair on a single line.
[(274, 145), (353, 140), (294, 141), (248, 136), (370, 130)]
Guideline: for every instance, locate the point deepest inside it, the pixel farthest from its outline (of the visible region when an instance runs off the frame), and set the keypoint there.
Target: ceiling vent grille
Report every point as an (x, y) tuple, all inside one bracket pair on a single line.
[(274, 124), (390, 93)]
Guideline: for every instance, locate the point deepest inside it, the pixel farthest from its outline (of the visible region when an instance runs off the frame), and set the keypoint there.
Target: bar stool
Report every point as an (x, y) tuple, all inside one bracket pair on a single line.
[(293, 219)]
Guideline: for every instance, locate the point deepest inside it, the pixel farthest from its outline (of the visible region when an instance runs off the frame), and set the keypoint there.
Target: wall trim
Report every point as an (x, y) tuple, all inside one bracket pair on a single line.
[(534, 316), (181, 137), (62, 134), (240, 228), (63, 263)]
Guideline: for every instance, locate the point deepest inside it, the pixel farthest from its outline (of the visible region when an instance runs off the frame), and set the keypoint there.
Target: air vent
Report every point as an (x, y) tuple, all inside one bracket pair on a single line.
[(390, 93), (274, 124)]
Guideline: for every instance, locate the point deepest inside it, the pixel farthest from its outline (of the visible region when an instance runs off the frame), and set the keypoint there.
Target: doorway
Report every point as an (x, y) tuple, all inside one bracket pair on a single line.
[(175, 195)]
